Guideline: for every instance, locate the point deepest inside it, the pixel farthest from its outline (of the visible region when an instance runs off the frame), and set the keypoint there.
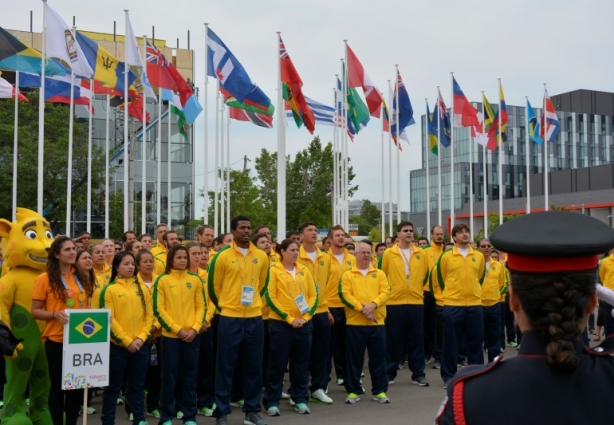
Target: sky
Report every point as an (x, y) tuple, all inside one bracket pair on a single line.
[(563, 43)]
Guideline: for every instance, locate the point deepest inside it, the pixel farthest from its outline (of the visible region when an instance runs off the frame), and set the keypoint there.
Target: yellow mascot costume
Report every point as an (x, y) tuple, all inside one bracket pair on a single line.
[(26, 243)]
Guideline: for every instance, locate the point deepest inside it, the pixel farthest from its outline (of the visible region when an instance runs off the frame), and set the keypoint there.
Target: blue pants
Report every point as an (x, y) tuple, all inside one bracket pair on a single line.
[(288, 344), (405, 329), (337, 342), (503, 314), (320, 352), (206, 370), (492, 331), (609, 320), (178, 355), (438, 333), (461, 325), (132, 369), (235, 336), (373, 339)]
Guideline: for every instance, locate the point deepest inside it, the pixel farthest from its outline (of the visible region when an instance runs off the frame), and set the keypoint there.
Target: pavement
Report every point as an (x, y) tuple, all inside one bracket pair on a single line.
[(409, 404)]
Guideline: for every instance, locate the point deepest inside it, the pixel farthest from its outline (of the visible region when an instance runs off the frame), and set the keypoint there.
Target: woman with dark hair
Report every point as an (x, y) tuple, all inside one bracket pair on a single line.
[(134, 247), (555, 379), (63, 286), (293, 298), (179, 305), (131, 321)]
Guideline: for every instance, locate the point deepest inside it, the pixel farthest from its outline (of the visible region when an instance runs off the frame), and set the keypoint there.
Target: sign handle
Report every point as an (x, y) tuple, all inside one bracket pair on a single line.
[(84, 406)]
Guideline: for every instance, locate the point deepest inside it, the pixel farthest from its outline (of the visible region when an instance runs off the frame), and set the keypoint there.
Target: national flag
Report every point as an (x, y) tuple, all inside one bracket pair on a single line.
[(292, 91), (486, 136), (431, 132), (135, 61), (61, 44), (234, 103), (550, 125), (357, 111), (260, 120), (99, 88), (385, 117), (175, 106), (441, 121), (534, 127), (192, 109), (57, 89), (157, 68), (135, 107), (494, 135), (401, 108), (340, 120), (233, 78), (7, 91), (107, 68), (358, 77), (88, 328), (465, 115), (25, 58), (324, 115)]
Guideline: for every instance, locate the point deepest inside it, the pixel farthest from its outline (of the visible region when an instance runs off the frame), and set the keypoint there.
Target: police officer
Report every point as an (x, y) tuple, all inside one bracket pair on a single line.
[(552, 257)]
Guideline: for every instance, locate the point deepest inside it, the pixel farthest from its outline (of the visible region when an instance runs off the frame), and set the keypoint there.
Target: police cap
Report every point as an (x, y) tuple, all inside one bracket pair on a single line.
[(553, 241)]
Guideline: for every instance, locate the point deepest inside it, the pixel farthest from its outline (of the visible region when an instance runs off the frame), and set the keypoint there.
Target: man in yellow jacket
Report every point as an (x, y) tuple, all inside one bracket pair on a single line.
[(364, 290), (406, 266), (606, 276), (460, 273), (237, 281), (494, 283), (433, 311)]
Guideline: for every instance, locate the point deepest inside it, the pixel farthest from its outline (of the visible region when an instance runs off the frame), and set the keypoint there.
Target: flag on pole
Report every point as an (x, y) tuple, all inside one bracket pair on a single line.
[(61, 44), (292, 90), (405, 110), (324, 115), (260, 120), (534, 127), (57, 89), (135, 59), (7, 91), (233, 78), (175, 104), (157, 68), (358, 77), (385, 117), (486, 136), (441, 117), (135, 107), (465, 115), (431, 131), (550, 125), (19, 56)]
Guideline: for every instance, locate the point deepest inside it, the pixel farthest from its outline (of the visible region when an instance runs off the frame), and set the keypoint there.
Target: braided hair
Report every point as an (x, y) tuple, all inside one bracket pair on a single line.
[(555, 305), (116, 262)]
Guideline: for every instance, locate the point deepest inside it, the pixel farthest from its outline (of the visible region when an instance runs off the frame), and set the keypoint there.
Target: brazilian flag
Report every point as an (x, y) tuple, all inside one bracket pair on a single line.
[(87, 328)]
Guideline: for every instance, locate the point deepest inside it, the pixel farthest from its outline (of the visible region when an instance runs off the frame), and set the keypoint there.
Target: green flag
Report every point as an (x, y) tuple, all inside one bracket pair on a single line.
[(87, 328), (182, 122), (357, 110)]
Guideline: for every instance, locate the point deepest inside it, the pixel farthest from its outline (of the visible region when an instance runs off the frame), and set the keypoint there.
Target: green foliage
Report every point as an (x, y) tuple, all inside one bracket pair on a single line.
[(493, 223), (375, 235), (55, 159)]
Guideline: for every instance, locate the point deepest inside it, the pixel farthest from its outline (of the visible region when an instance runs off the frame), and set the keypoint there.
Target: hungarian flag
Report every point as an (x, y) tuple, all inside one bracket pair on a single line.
[(292, 91), (357, 77)]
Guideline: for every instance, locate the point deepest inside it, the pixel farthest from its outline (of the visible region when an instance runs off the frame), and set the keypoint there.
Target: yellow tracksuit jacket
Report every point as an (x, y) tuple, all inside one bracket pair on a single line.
[(320, 270), (494, 284), (356, 291), (402, 291), (283, 289), (159, 248), (154, 276), (179, 302), (229, 272), (461, 278), (432, 252), (606, 272), (336, 270), (129, 320)]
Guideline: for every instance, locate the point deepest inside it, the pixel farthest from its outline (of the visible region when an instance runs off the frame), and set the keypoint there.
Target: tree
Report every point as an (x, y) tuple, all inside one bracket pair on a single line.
[(55, 159), (370, 213)]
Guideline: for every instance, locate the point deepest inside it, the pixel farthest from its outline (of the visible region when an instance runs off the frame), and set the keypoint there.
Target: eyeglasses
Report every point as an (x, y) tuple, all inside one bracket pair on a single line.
[(408, 230), (486, 246), (117, 249)]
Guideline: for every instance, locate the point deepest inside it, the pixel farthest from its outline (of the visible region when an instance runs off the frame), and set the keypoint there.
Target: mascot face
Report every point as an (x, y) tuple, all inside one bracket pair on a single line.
[(26, 241)]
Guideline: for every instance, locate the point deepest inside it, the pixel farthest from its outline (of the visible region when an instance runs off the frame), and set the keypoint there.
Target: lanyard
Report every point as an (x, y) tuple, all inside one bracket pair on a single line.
[(406, 264), (242, 268), (70, 302)]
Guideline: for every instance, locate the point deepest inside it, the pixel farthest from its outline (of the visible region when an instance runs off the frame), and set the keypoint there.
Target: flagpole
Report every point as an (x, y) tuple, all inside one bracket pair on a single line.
[(217, 155), (222, 171), (390, 215), (484, 174), (527, 155), (471, 229), (452, 160), (106, 170), (545, 128), (71, 112), (169, 182), (439, 210), (206, 117), (126, 158), (41, 118), (344, 175), (159, 162), (383, 226), (88, 225), (336, 158), (228, 170), (15, 145), (500, 142), (344, 110), (428, 180), (144, 150), (398, 150)]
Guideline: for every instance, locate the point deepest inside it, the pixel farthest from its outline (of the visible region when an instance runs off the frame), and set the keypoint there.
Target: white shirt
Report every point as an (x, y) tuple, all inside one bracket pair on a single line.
[(463, 251), (313, 255), (243, 251), (364, 271), (339, 257)]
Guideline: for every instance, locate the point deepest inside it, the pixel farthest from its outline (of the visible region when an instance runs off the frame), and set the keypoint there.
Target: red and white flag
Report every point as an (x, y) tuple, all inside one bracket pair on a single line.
[(7, 91), (358, 77)]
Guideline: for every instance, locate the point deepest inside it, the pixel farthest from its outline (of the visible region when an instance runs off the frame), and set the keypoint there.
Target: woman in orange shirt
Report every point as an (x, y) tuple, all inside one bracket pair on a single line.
[(63, 286)]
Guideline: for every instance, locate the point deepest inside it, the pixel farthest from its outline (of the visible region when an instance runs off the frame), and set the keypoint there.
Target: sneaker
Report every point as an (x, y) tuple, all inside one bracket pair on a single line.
[(189, 423), (427, 360), (273, 411), (391, 382), (445, 385), (238, 403), (382, 398), (120, 401), (512, 344), (253, 418), (320, 396), (302, 409), (155, 413), (221, 420), (169, 422), (339, 381), (518, 347), (205, 411), (362, 374), (1, 404), (436, 364), (420, 381), (400, 366), (145, 423), (462, 363), (179, 414), (131, 417), (285, 396), (27, 402), (352, 398), (91, 410)]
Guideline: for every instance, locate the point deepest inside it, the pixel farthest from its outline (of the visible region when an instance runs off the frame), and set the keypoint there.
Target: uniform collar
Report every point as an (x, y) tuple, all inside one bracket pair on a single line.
[(178, 273), (534, 345)]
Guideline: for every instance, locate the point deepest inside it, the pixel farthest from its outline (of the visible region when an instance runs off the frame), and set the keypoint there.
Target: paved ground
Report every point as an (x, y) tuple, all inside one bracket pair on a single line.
[(410, 404)]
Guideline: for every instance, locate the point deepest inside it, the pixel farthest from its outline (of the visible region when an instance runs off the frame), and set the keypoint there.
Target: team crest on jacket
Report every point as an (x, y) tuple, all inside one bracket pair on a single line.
[(374, 275), (473, 259), (493, 268), (189, 285), (349, 263), (418, 257), (255, 261), (321, 262), (302, 273)]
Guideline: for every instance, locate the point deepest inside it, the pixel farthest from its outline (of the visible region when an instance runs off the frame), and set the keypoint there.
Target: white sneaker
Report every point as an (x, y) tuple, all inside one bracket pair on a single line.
[(285, 396), (321, 397)]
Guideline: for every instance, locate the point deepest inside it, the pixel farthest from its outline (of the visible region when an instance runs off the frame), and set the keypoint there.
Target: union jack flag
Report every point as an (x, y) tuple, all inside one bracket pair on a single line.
[(155, 56), (283, 53)]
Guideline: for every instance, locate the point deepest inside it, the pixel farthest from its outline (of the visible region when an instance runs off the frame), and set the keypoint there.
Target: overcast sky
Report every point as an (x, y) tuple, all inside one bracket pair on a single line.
[(565, 43)]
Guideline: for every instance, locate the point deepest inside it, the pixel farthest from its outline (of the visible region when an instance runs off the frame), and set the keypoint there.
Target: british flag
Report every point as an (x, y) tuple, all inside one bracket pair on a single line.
[(158, 68)]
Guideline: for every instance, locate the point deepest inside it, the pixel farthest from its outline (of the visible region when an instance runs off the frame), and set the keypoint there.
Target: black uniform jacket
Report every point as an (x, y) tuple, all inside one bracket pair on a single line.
[(524, 390)]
